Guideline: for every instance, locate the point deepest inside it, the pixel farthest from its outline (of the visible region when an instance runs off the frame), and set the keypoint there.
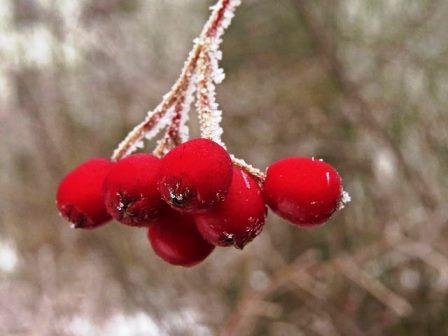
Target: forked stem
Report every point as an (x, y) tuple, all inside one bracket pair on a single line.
[(219, 19), (200, 73)]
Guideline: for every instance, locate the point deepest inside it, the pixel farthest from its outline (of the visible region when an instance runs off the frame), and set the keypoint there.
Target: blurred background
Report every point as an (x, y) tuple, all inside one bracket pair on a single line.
[(360, 83)]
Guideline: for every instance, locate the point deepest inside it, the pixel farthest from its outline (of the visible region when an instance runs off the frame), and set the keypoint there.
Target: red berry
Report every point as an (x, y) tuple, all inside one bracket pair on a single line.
[(238, 219), (176, 240), (302, 190), (130, 190), (79, 197), (195, 175)]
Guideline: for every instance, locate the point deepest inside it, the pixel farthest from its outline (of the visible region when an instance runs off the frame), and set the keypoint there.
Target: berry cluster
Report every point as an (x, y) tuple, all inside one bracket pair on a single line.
[(194, 198), (192, 195)]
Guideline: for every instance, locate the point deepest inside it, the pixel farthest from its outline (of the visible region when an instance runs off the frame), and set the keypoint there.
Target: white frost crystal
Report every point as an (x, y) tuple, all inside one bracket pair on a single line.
[(161, 124), (184, 132), (345, 199), (210, 74)]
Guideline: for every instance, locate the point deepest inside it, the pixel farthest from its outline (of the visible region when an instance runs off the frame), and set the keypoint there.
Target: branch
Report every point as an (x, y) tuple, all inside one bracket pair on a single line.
[(220, 18), (383, 294)]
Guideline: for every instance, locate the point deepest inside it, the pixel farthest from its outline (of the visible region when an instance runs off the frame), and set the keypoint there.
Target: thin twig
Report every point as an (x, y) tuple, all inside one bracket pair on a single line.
[(214, 28), (389, 298), (302, 265)]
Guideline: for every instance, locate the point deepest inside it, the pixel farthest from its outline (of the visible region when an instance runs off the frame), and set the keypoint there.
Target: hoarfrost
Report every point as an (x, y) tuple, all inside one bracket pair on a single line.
[(160, 124), (184, 132), (345, 199)]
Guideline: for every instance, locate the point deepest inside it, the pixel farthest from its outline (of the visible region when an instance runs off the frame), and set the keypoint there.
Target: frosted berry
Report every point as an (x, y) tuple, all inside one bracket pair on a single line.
[(79, 195), (302, 190), (130, 190), (176, 240), (238, 219), (195, 175)]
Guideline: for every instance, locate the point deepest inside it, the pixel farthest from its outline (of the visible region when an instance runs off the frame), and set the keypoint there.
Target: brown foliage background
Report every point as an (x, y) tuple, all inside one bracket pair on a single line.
[(362, 84)]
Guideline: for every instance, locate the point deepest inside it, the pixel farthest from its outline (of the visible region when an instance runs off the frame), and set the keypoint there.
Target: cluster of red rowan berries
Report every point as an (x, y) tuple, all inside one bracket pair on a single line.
[(192, 195), (194, 198)]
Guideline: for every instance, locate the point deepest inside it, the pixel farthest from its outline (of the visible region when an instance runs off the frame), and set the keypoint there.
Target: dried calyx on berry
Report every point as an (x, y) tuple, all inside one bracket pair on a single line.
[(130, 190), (195, 176)]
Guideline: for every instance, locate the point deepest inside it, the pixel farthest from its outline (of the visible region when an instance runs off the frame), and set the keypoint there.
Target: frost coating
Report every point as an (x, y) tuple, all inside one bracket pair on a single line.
[(210, 115), (184, 132), (209, 74), (247, 167), (161, 124), (199, 75), (154, 122), (202, 61), (345, 199)]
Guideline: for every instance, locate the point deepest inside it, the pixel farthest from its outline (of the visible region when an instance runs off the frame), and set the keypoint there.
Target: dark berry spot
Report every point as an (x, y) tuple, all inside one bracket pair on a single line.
[(76, 217), (178, 201)]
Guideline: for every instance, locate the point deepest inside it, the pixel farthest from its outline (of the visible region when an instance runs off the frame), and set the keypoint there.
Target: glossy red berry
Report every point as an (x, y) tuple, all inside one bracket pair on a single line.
[(302, 190), (176, 240), (130, 190), (238, 219), (195, 175), (79, 196)]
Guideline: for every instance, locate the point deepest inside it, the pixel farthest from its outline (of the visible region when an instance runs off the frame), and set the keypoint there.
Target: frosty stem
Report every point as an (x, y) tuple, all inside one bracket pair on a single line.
[(128, 145), (200, 73)]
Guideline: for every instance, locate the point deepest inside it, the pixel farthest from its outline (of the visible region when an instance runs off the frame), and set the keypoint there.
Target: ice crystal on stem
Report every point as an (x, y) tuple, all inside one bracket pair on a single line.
[(210, 115), (200, 74), (345, 199), (178, 131), (257, 173), (183, 131)]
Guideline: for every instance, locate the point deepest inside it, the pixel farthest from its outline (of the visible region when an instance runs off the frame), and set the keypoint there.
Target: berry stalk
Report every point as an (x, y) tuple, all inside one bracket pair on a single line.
[(219, 20), (200, 74)]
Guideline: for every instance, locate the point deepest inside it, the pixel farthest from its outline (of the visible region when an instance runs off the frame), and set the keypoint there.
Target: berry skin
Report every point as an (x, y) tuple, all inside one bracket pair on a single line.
[(176, 240), (302, 190), (238, 219), (79, 195), (195, 175), (130, 190)]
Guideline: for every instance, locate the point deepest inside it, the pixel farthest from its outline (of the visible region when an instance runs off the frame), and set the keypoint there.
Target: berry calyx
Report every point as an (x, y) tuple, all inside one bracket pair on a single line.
[(195, 175), (175, 238), (305, 191), (240, 218), (130, 190), (79, 196)]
